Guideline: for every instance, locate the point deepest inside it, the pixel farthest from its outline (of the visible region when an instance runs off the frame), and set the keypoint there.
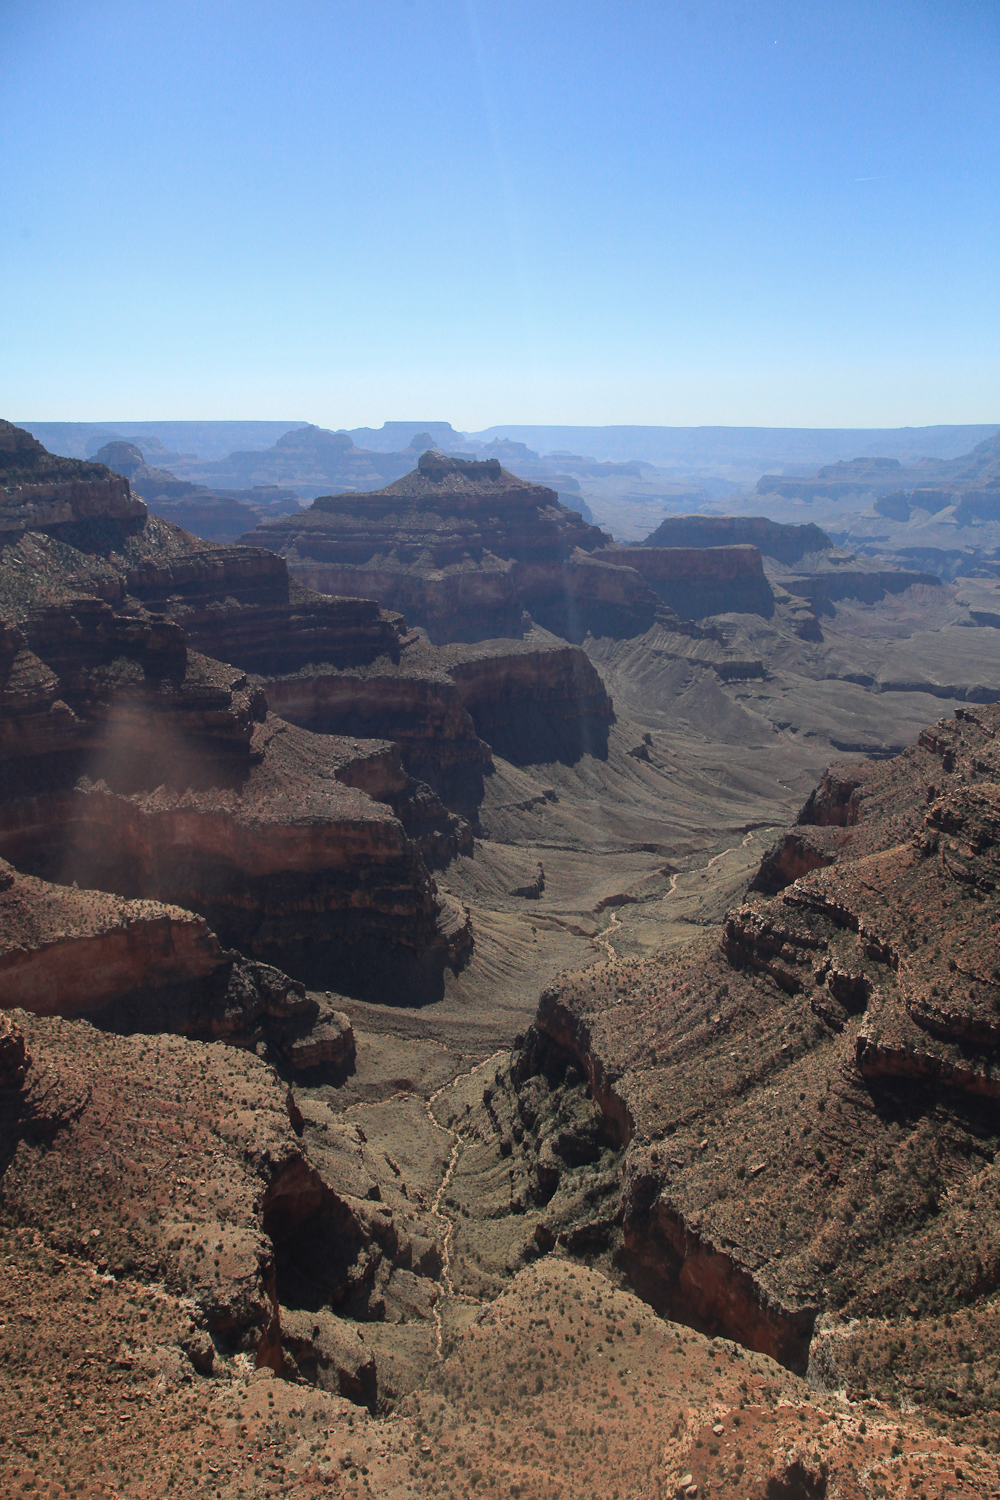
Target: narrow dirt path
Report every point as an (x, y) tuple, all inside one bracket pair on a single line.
[(436, 1210), (604, 941)]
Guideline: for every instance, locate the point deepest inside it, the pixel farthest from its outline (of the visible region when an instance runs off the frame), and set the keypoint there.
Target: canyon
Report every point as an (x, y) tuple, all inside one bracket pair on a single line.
[(464, 548), (466, 1028)]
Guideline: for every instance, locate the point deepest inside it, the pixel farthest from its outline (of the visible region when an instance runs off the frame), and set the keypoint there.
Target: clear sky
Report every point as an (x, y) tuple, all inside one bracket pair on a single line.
[(775, 213)]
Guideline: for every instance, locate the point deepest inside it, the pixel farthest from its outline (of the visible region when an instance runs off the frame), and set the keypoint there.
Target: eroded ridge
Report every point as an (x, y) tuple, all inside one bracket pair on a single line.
[(797, 1107)]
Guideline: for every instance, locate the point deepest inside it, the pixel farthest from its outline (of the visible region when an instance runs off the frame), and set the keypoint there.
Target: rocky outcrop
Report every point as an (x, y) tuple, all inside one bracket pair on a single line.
[(140, 966), (786, 543), (13, 1054), (784, 1098), (670, 1259), (326, 1043), (329, 1352), (238, 604), (39, 491), (835, 803), (794, 854), (698, 581), (756, 940), (532, 701), (448, 707), (136, 765), (70, 952), (461, 548), (166, 1149)]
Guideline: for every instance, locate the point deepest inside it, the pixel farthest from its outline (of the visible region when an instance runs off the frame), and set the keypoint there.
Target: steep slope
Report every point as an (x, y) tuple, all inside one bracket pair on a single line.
[(461, 547), (136, 765), (786, 543), (787, 1127), (217, 515)]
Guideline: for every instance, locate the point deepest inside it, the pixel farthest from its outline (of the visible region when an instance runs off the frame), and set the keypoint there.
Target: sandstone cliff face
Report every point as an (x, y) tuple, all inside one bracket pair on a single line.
[(286, 853), (465, 602), (67, 952), (868, 584), (42, 507), (238, 604), (141, 966), (598, 594), (411, 701)]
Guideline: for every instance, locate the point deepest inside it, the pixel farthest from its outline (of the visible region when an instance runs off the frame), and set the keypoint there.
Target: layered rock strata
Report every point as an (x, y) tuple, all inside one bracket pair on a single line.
[(410, 699), (698, 581), (795, 1103), (141, 966), (449, 707), (462, 548), (785, 543), (868, 584), (532, 701), (134, 764), (287, 854)]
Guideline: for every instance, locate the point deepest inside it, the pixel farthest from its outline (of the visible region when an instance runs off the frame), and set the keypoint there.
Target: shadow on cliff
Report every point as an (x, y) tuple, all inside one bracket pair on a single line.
[(35, 1109), (532, 736), (379, 974)]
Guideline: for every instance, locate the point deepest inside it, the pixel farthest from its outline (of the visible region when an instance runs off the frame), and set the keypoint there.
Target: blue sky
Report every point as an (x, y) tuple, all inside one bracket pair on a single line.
[(773, 214)]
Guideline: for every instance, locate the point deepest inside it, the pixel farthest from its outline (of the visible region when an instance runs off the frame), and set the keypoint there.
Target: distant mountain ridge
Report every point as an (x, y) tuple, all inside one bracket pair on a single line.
[(737, 452)]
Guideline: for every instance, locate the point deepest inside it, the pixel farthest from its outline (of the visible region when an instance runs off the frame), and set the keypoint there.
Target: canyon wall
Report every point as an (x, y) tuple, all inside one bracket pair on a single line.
[(66, 503), (795, 1103), (532, 703), (699, 581), (415, 704), (787, 543)]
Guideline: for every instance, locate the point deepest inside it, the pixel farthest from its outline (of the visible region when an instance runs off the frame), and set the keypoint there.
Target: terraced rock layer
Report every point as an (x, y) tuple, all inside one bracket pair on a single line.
[(462, 548), (786, 543), (801, 1106), (141, 966), (696, 581), (136, 765)]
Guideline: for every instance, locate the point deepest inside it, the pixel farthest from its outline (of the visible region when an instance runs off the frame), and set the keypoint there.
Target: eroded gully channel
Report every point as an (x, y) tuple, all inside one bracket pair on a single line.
[(759, 1325)]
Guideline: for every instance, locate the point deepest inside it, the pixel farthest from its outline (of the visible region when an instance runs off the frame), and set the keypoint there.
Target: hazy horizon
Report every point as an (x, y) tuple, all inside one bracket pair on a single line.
[(777, 216), (701, 449)]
